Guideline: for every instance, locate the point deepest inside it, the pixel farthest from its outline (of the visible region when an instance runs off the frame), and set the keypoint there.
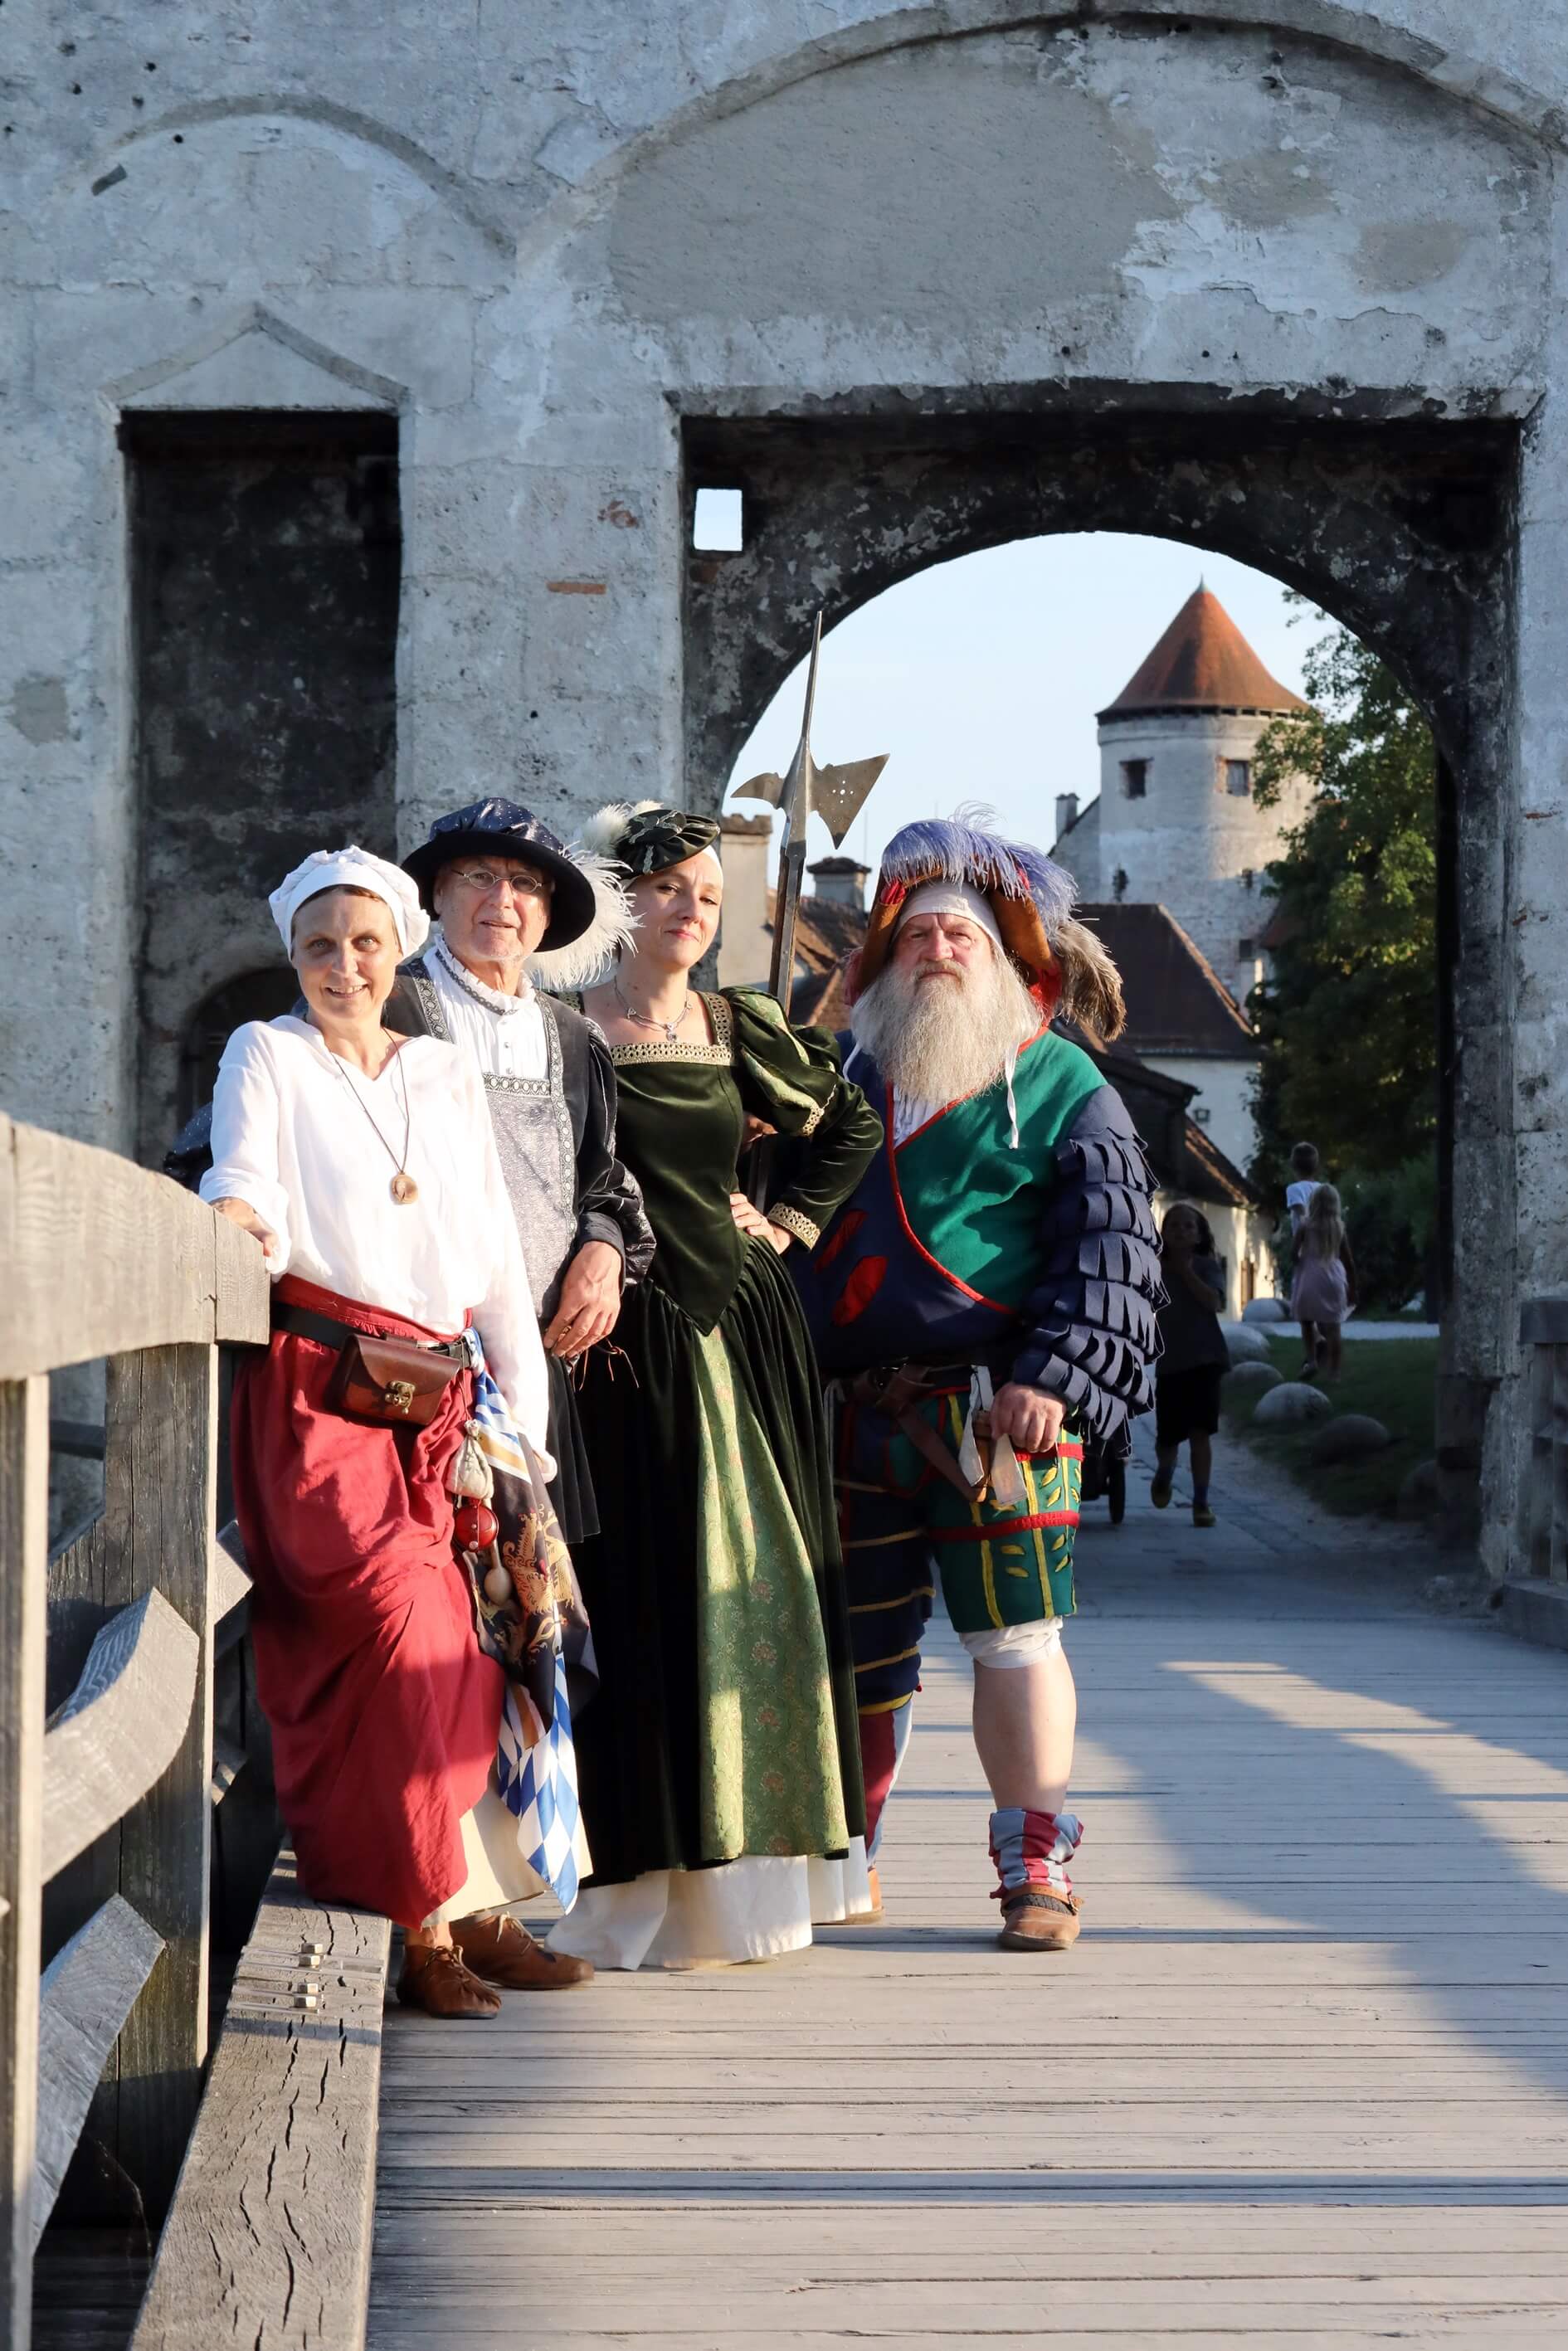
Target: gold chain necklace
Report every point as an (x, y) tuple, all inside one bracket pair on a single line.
[(402, 1186)]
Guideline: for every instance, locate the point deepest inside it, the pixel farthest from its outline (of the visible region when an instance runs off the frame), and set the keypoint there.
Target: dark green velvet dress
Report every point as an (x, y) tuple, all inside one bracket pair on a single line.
[(725, 1720)]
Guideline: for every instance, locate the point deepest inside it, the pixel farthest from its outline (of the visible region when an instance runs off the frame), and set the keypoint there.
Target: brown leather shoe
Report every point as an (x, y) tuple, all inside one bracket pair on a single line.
[(504, 1953), (1036, 1919), (433, 1977), (872, 1917)]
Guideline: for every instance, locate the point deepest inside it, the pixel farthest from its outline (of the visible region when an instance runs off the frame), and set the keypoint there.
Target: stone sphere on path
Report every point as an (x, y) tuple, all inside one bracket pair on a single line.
[(1244, 1343), (1290, 1406), (1418, 1494), (1351, 1437), (1245, 1381), (1266, 1310)]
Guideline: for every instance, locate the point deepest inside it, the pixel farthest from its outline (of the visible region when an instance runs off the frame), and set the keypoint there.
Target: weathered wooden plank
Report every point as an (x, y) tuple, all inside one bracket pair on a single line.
[(23, 1546), (267, 2242), (181, 1274), (80, 1440), (228, 1589), (120, 1728), (228, 1762), (160, 1478), (86, 1996)]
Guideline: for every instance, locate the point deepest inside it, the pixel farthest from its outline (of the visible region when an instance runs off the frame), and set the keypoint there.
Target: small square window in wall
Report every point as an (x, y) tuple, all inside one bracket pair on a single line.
[(717, 522), (1135, 778), (1245, 950), (1239, 777), (1201, 1114)]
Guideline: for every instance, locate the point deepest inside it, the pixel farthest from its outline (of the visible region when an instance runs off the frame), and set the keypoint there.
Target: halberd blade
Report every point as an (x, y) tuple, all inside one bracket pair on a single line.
[(838, 794), (768, 787)]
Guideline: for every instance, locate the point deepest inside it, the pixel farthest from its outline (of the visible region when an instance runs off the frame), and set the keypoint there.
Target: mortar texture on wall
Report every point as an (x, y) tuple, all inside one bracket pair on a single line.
[(920, 277)]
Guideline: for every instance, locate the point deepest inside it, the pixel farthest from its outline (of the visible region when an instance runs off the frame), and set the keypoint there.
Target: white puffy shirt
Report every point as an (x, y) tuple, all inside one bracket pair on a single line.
[(505, 1034), (289, 1139)]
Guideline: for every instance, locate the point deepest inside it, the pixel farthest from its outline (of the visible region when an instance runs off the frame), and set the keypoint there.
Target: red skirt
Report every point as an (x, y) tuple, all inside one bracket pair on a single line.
[(384, 1712)]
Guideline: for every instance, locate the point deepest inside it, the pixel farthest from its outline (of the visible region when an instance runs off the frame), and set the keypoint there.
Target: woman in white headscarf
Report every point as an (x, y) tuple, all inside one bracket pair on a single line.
[(365, 1164)]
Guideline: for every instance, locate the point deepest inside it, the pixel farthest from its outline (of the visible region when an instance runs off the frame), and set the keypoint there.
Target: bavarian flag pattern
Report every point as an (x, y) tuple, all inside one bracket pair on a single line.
[(536, 1760)]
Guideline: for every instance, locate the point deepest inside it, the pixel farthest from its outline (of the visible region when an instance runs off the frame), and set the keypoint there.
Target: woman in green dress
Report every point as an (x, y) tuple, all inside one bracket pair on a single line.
[(719, 1762)]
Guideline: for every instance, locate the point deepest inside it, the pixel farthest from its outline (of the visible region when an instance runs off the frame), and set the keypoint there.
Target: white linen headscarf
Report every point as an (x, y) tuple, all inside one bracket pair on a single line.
[(953, 898), (352, 869)]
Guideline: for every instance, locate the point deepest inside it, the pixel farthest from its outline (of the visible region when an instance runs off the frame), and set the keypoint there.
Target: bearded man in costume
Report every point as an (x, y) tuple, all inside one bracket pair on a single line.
[(984, 1300)]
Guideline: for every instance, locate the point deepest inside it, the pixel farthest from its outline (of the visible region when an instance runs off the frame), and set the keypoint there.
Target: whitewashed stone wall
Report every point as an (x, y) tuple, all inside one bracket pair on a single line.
[(543, 236), (1224, 1091)]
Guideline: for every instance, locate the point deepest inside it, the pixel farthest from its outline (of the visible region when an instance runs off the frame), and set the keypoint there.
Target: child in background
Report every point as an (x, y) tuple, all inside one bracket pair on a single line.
[(1324, 1288), (1194, 1357)]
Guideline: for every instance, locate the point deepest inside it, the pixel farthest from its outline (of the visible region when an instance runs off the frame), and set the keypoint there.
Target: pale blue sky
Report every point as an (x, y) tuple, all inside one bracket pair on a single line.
[(981, 677)]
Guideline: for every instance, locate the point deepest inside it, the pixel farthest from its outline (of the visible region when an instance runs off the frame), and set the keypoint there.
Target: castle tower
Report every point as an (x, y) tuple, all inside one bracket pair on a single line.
[(1177, 822)]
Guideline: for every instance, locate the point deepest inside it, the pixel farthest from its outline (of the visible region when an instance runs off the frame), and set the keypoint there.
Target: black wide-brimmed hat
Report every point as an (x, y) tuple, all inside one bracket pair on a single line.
[(504, 828)]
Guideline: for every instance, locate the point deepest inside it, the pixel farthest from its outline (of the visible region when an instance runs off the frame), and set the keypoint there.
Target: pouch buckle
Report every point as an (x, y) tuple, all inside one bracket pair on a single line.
[(398, 1394)]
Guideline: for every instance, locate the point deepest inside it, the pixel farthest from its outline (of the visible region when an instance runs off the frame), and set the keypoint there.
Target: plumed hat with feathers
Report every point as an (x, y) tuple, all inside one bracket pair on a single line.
[(1065, 965)]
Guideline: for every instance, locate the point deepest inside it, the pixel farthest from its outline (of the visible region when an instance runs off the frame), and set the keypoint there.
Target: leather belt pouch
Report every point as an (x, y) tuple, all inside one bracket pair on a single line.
[(392, 1380)]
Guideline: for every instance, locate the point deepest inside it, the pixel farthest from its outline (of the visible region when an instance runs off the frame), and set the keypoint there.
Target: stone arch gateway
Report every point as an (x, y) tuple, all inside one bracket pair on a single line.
[(1285, 278)]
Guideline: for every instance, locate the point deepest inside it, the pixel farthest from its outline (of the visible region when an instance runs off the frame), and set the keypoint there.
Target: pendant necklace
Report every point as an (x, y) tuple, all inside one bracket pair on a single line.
[(402, 1186), (646, 1019)]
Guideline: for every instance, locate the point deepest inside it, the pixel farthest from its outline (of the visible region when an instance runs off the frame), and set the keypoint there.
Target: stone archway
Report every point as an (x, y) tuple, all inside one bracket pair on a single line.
[(1402, 528)]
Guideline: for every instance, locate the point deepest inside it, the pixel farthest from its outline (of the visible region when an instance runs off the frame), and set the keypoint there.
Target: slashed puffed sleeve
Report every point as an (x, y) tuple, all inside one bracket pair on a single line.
[(792, 1078), (505, 1317), (1091, 1336), (609, 1196), (249, 1110)]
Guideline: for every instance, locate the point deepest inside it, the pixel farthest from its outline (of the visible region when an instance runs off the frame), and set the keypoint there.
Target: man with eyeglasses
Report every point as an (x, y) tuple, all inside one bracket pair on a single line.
[(519, 914)]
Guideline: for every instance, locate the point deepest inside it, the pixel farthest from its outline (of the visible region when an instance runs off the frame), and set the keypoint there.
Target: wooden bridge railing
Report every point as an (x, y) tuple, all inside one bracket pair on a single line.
[(98, 1259)]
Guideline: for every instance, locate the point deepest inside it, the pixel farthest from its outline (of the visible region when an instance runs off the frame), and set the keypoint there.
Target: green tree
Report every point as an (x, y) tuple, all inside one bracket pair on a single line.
[(1348, 1017)]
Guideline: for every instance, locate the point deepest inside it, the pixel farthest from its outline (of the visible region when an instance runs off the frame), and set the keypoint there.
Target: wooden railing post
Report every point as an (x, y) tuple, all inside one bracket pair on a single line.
[(159, 1494), (24, 1568)]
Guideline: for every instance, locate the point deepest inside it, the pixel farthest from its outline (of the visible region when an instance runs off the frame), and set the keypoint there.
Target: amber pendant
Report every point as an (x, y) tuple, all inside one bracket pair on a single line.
[(404, 1187)]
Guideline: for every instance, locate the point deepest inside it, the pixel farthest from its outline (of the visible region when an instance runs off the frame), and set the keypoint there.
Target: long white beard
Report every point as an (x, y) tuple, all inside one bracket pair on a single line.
[(938, 1039)]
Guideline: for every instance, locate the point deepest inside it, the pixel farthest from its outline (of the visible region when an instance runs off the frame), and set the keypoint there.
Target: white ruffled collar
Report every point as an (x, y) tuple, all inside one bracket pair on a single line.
[(490, 998)]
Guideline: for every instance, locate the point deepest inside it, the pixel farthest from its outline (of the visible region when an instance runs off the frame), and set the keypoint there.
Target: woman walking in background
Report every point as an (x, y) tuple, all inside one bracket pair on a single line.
[(1194, 1357), (1324, 1288), (1298, 1197)]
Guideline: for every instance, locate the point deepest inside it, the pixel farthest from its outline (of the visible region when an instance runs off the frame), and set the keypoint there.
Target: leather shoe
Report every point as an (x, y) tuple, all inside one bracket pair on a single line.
[(504, 1953), (1038, 1919), (433, 1977)]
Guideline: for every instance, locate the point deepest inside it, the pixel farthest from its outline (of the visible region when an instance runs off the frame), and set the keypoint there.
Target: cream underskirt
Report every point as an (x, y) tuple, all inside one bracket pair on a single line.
[(497, 1874), (754, 1909)]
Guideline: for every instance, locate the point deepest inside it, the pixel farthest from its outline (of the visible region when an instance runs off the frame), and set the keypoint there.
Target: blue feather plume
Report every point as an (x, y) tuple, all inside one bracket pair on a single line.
[(959, 849)]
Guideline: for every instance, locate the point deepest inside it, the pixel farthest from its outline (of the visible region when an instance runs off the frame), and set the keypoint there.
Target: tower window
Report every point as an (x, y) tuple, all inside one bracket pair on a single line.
[(1245, 950), (1246, 877), (1239, 777), (1135, 778), (1119, 883)]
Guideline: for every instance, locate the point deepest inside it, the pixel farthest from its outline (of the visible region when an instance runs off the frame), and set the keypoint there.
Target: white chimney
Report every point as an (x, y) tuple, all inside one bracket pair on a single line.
[(1066, 813), (743, 948), (840, 881)]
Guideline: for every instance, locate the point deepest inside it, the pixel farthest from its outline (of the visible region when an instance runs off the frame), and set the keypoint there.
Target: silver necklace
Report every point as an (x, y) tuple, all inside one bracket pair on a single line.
[(402, 1186), (646, 1019)]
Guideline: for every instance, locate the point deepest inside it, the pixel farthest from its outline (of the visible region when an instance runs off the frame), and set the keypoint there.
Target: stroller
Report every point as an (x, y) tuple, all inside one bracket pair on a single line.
[(1105, 1478)]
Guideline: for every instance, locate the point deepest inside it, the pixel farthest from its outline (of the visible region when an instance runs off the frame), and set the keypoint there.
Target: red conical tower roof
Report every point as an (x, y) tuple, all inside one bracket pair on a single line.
[(1202, 662)]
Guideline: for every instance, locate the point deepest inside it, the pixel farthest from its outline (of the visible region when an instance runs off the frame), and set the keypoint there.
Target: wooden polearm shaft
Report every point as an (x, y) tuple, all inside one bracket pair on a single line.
[(794, 805)]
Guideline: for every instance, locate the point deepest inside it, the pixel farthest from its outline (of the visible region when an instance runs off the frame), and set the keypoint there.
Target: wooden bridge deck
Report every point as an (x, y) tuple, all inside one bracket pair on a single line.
[(1304, 2081)]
